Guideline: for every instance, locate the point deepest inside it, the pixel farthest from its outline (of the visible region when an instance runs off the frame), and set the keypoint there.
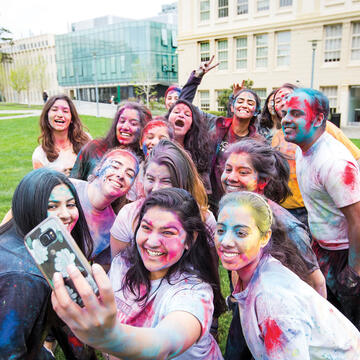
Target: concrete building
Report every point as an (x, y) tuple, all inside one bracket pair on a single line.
[(113, 54), (36, 54), (272, 42)]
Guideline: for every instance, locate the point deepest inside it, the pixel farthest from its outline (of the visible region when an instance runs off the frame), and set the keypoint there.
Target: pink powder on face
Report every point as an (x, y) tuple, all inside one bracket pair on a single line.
[(272, 335), (349, 176)]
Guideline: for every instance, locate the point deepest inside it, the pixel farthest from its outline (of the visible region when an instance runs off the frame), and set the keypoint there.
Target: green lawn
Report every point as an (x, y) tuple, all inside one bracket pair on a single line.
[(10, 114)]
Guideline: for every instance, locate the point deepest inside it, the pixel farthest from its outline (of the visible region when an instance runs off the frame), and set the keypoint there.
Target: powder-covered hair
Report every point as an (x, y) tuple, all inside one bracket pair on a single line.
[(196, 140), (279, 246), (183, 172), (30, 205), (76, 133), (197, 260), (270, 164)]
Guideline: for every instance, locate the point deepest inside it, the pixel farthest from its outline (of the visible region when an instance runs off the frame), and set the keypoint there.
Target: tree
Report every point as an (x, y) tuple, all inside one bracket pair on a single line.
[(2, 81), (224, 95), (5, 40), (38, 74), (20, 79), (144, 84)]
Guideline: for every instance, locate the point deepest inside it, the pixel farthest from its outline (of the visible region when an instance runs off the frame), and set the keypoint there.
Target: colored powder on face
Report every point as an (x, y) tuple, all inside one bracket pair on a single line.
[(349, 176), (310, 115), (272, 335)]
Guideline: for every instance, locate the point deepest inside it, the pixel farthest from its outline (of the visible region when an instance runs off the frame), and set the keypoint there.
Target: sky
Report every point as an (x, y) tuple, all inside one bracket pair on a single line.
[(26, 18)]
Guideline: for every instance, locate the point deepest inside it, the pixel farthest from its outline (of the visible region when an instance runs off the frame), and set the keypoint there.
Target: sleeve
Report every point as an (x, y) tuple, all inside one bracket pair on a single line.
[(284, 329), (38, 158), (340, 136), (195, 299), (24, 301), (189, 89), (122, 228), (341, 180)]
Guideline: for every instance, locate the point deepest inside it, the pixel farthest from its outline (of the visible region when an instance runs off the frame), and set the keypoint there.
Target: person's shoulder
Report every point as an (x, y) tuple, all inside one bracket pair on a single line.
[(38, 152)]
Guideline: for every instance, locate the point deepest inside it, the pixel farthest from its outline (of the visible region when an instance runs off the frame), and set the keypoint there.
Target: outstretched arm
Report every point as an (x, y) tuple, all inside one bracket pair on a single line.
[(96, 323)]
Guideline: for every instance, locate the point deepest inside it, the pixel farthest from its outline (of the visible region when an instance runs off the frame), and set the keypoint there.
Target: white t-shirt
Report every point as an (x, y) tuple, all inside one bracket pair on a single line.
[(284, 318), (185, 293), (125, 222), (64, 163), (99, 221), (329, 179)]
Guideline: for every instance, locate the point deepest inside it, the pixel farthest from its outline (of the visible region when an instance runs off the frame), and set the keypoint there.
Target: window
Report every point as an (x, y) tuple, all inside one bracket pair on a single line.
[(242, 7), (261, 50), (174, 38), (262, 5), (331, 93), (205, 100), (262, 94), (241, 53), (122, 63), (204, 10), (164, 39), (113, 64), (223, 8), (332, 42), (284, 3), (218, 106), (355, 43), (204, 51), (283, 40), (222, 46), (102, 66)]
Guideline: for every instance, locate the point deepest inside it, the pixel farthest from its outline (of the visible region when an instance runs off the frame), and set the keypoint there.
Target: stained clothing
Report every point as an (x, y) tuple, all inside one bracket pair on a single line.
[(24, 301), (184, 292), (285, 318)]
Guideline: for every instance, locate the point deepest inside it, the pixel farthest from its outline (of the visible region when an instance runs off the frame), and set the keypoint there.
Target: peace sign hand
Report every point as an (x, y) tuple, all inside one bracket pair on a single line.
[(205, 67)]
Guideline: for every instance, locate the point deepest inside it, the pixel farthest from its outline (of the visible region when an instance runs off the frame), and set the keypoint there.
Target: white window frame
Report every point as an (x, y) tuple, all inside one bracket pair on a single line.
[(259, 46), (355, 37), (222, 54), (223, 8), (204, 100), (332, 48), (331, 92), (262, 5), (203, 11), (242, 7), (204, 54), (239, 49), (262, 94), (285, 3), (283, 49)]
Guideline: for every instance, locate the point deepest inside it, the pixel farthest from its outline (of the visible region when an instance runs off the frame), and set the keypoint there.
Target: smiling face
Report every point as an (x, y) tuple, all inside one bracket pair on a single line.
[(299, 123), (152, 136), (62, 204), (117, 174), (181, 119), (156, 177), (171, 98), (270, 105), (280, 100), (160, 241), (239, 174), (59, 115), (238, 240), (128, 127), (245, 106)]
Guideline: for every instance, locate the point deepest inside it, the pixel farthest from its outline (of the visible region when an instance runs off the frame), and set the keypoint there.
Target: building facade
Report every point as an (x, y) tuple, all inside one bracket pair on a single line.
[(34, 56), (114, 54), (272, 42)]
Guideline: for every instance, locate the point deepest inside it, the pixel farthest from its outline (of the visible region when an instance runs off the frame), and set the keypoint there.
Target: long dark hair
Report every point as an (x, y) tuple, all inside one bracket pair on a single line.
[(110, 138), (197, 260), (196, 141), (271, 166), (279, 246), (265, 118), (30, 205), (76, 133)]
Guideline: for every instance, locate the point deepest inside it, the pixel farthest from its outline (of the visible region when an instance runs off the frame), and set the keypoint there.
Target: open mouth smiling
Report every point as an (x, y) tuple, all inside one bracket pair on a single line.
[(154, 253), (179, 123), (125, 134)]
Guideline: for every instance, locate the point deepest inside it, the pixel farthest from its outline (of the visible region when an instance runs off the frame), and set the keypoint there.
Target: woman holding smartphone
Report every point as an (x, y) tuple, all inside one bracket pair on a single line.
[(163, 301), (24, 292)]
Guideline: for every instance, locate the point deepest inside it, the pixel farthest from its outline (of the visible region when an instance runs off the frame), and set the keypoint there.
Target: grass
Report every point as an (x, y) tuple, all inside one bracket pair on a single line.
[(14, 106), (10, 114)]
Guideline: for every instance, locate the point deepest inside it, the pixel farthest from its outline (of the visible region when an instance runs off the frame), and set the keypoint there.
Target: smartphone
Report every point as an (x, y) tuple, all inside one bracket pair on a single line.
[(53, 249)]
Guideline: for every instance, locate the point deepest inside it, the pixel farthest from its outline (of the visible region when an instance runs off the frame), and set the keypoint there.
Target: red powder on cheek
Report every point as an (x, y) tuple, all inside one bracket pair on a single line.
[(272, 335), (349, 175)]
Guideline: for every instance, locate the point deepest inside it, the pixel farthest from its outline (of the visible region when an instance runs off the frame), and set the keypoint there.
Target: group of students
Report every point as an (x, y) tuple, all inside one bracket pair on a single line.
[(156, 203)]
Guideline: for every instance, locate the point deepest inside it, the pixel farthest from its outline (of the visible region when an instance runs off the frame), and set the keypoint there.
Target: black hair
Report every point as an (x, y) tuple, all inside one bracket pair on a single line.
[(257, 101), (196, 141), (265, 118), (197, 260), (271, 166), (30, 205)]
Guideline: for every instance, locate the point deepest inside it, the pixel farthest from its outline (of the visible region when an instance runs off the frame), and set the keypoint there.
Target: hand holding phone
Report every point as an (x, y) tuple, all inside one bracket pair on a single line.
[(53, 249)]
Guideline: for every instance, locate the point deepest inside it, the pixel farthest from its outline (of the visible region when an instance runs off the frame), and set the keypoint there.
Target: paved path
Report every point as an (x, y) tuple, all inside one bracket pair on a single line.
[(24, 113)]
